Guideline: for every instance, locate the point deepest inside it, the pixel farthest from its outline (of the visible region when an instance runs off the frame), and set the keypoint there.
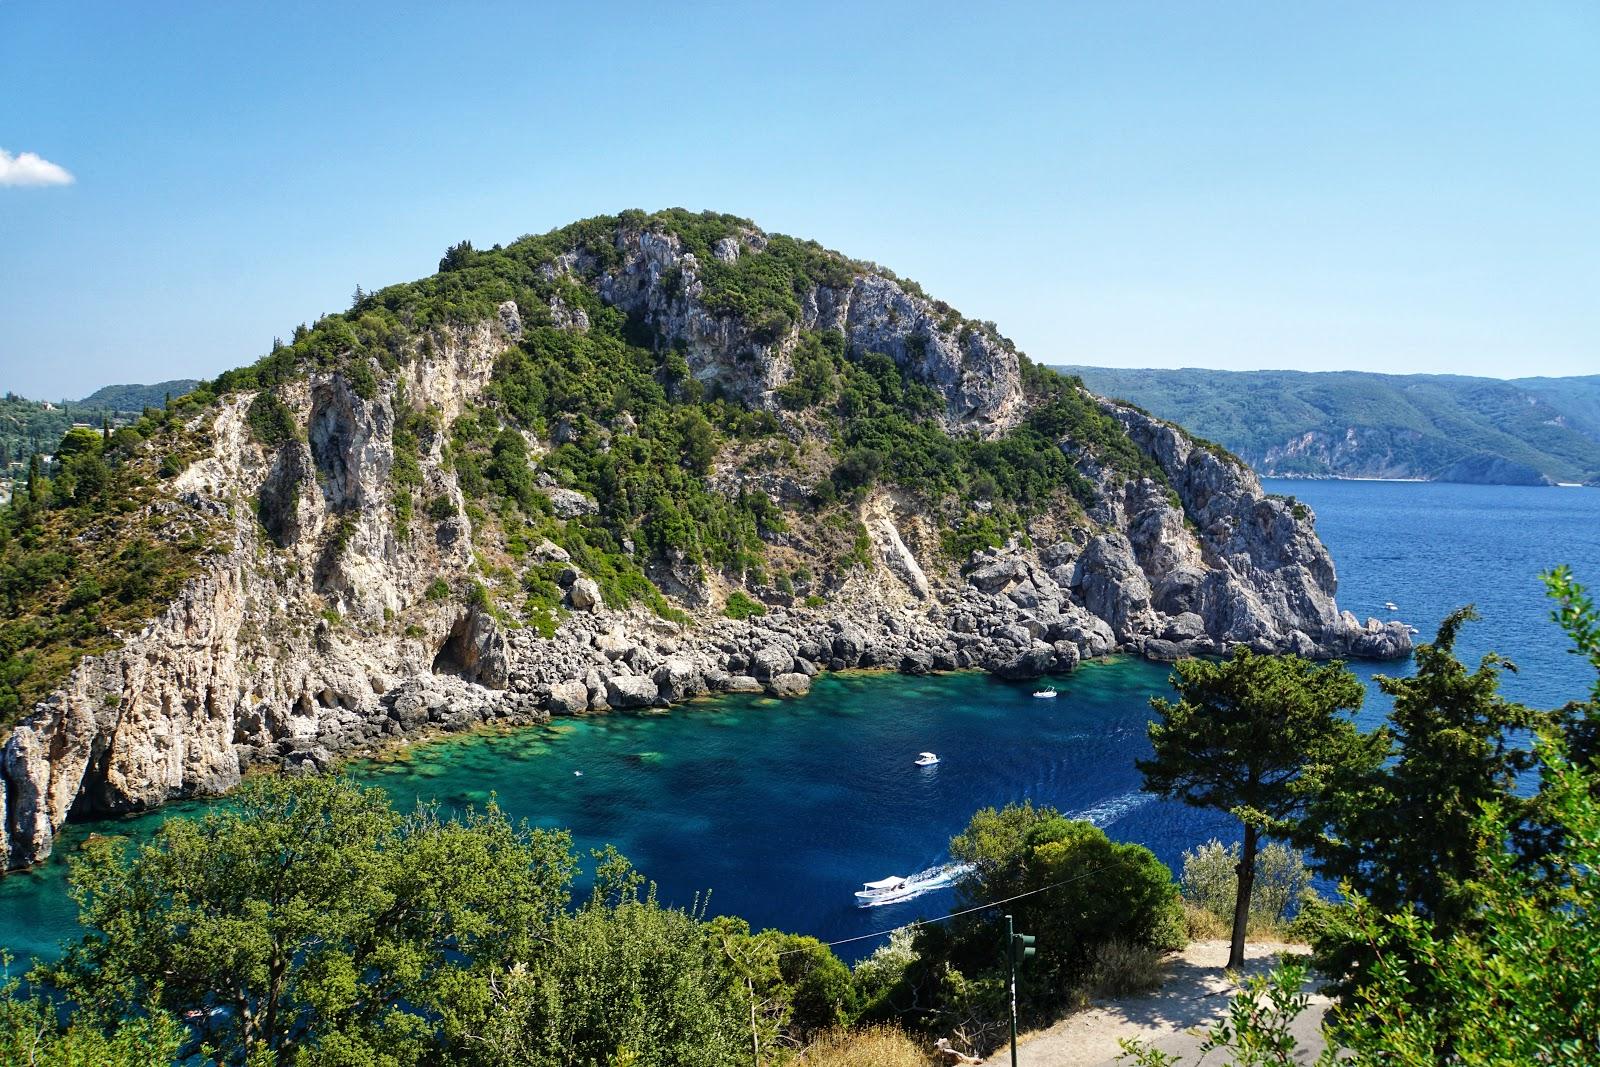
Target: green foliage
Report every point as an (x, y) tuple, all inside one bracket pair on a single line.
[(1253, 735), (1101, 891), (31, 1033), (326, 924), (622, 977), (1399, 826), (1210, 881), (271, 421), (438, 589), (741, 607), (304, 921)]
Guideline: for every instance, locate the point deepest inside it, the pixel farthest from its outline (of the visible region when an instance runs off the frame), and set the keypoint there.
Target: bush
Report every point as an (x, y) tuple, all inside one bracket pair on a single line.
[(271, 422), (1108, 891), (742, 607), (1210, 882)]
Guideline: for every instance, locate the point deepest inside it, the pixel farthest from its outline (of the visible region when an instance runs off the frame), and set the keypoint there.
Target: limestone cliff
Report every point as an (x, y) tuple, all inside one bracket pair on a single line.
[(334, 616)]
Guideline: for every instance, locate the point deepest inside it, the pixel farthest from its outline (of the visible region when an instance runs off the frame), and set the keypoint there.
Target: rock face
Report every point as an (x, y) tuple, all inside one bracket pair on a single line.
[(319, 631)]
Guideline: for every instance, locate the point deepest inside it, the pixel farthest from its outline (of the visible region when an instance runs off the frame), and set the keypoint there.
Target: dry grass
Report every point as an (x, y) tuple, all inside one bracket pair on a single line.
[(873, 1046), (1121, 969), (1203, 924)]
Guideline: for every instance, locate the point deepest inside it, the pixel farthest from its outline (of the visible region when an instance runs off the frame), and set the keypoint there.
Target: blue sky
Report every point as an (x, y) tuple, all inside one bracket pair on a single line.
[(1397, 187)]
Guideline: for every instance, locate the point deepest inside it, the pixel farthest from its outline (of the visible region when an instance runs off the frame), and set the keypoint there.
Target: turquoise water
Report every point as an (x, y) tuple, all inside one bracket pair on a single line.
[(781, 810)]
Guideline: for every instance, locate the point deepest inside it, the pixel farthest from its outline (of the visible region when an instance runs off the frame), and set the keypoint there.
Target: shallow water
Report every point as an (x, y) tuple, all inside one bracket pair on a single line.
[(782, 809)]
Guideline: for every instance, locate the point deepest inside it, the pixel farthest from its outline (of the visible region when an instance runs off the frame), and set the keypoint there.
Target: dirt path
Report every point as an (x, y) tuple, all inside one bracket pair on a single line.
[(1173, 1018)]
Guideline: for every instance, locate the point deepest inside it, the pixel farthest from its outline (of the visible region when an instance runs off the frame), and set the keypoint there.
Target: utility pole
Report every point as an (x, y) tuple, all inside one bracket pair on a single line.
[(1019, 949)]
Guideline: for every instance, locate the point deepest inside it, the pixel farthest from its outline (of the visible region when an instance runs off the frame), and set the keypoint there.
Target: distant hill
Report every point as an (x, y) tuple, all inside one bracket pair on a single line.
[(29, 426), (1353, 424), (136, 397)]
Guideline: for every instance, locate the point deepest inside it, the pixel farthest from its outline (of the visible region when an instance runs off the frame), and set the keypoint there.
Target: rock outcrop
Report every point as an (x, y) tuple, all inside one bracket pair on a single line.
[(332, 623)]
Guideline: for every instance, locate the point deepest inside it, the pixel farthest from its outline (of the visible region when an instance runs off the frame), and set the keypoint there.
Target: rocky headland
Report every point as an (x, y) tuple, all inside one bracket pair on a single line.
[(334, 613)]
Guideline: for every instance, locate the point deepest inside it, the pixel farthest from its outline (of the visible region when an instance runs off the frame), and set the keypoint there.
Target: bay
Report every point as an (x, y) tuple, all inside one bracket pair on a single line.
[(781, 809)]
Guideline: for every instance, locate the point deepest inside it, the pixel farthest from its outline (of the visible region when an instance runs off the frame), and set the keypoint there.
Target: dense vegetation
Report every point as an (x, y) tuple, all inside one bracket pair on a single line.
[(32, 427), (306, 921), (1466, 932), (82, 559), (1408, 425)]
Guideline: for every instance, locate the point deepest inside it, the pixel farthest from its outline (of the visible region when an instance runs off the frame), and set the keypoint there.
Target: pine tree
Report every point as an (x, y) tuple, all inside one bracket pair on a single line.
[(1245, 736)]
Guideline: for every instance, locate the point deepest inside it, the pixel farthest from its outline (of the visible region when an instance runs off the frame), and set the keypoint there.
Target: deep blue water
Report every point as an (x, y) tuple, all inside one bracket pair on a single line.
[(780, 810)]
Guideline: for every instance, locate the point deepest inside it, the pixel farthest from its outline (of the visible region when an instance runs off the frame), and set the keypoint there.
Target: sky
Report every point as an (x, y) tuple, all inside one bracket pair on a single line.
[(1395, 187)]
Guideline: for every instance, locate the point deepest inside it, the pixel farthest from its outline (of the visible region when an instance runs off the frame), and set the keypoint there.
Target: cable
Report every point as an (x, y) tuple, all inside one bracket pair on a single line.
[(958, 914)]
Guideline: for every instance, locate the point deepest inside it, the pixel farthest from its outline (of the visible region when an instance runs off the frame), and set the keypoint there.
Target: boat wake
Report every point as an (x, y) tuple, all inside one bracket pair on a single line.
[(895, 889), (1111, 809)]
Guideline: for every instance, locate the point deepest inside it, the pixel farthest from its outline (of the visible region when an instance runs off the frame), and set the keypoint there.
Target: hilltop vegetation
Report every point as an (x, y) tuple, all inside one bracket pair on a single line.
[(608, 409), (1355, 424)]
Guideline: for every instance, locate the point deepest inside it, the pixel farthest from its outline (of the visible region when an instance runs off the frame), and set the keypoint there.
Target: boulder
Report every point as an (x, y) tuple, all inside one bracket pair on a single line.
[(994, 576), (792, 684), (631, 691), (768, 662), (570, 504), (1029, 663), (743, 683), (678, 679), (584, 595), (568, 698), (849, 643)]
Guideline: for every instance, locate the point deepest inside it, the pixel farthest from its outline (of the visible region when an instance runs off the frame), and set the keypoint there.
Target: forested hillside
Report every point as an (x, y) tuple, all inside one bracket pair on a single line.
[(29, 427), (1357, 424)]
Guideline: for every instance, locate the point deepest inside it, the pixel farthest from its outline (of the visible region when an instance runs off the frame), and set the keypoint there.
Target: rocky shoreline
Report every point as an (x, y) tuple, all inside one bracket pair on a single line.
[(326, 623)]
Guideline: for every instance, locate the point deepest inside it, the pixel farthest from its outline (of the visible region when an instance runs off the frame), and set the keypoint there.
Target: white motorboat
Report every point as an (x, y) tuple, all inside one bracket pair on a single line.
[(895, 888), (1046, 694), (926, 759), (1390, 605)]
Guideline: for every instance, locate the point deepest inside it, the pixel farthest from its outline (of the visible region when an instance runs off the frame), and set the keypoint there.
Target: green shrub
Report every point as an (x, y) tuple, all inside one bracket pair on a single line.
[(1130, 895), (270, 420), (438, 589), (1210, 882), (741, 607)]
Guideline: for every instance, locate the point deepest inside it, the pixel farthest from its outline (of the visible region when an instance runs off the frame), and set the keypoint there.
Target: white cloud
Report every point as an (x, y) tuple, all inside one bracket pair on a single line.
[(29, 168)]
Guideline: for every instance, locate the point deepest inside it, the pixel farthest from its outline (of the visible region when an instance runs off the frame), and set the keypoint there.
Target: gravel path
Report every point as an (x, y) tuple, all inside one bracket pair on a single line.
[(1173, 1018)]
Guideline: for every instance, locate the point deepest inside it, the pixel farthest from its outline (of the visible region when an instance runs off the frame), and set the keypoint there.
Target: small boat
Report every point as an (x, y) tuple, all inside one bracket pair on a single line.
[(884, 891), (1046, 694), (1390, 605), (896, 888), (926, 759), (577, 774)]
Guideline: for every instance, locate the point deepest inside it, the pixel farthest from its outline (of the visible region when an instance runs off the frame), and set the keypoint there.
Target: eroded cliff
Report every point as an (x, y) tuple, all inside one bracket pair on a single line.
[(463, 528)]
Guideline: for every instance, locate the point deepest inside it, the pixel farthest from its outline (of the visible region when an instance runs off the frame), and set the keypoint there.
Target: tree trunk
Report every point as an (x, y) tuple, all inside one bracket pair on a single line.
[(1241, 903)]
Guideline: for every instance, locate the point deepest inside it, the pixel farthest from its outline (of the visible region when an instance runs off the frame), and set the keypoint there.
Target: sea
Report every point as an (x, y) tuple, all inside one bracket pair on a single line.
[(779, 811)]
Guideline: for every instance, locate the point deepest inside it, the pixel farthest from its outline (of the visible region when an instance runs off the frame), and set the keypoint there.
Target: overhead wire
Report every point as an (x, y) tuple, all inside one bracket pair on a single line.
[(957, 914)]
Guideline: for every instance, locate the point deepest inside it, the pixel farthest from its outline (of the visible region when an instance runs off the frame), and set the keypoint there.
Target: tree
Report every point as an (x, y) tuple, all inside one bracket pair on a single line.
[(78, 441), (31, 1032), (308, 915), (1401, 829), (1243, 736), (621, 980), (456, 256), (1096, 890)]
